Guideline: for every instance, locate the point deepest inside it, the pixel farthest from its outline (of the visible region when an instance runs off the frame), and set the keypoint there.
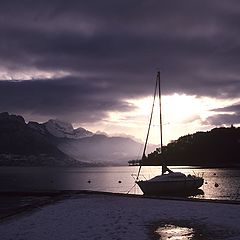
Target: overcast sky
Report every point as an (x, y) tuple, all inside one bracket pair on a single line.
[(89, 62)]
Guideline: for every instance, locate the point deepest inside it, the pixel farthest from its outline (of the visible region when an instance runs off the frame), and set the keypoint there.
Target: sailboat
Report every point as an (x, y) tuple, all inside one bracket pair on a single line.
[(169, 182)]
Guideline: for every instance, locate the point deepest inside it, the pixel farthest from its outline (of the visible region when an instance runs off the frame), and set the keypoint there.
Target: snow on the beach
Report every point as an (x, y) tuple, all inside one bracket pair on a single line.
[(114, 217)]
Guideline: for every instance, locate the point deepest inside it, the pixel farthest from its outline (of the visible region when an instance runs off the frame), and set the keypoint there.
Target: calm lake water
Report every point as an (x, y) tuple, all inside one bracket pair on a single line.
[(219, 183)]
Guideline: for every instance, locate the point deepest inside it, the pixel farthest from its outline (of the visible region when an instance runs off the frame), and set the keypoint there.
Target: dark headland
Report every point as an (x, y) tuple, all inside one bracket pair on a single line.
[(219, 147)]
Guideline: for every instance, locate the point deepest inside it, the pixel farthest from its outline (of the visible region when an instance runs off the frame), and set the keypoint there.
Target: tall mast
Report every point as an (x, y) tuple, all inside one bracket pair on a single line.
[(160, 109), (164, 167)]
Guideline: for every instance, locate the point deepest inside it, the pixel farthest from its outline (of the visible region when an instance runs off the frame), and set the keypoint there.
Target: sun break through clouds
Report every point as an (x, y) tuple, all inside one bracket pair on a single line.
[(94, 62)]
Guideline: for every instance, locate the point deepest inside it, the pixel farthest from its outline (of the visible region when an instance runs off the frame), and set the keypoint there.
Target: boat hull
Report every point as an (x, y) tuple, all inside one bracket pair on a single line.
[(186, 187)]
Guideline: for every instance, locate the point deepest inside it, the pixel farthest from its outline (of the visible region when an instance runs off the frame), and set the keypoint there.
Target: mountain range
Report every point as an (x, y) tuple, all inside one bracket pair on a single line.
[(57, 143)]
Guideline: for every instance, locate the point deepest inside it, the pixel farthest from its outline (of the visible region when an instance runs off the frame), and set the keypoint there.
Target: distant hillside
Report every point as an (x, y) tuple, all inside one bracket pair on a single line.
[(58, 143), (86, 146), (218, 147), (101, 149), (21, 145)]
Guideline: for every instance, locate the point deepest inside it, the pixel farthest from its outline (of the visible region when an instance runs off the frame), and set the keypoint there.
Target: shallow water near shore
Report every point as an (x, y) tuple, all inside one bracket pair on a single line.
[(223, 184)]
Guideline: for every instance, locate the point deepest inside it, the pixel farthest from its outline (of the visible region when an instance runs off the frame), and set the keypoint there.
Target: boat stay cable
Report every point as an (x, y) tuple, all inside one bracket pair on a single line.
[(150, 121)]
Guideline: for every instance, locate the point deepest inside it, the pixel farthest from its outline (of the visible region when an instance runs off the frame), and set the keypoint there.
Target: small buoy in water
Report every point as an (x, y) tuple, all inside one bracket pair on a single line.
[(216, 184), (89, 181), (119, 181)]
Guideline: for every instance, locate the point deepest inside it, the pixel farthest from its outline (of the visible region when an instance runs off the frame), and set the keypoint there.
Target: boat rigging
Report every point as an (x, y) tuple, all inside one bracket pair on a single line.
[(172, 182)]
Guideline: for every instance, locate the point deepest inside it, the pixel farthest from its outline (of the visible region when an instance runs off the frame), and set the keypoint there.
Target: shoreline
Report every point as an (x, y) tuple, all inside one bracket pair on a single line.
[(96, 215), (44, 198), (118, 180)]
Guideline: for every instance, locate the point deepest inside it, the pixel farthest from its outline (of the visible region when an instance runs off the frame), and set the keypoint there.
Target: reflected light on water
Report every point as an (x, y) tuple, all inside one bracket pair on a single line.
[(173, 232)]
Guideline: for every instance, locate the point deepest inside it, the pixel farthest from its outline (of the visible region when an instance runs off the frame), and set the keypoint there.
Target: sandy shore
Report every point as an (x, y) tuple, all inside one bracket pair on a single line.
[(100, 216)]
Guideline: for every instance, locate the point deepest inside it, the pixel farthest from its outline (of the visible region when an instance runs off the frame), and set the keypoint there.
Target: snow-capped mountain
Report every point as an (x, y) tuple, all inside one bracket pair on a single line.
[(21, 145), (60, 140), (62, 129), (86, 146)]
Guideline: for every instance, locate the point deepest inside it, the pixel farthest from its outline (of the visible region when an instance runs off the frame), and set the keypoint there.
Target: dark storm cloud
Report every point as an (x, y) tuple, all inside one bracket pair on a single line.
[(66, 98), (120, 44), (223, 119), (226, 115), (235, 108)]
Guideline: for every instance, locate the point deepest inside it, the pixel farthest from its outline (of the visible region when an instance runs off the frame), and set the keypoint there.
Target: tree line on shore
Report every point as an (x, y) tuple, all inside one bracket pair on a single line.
[(219, 147)]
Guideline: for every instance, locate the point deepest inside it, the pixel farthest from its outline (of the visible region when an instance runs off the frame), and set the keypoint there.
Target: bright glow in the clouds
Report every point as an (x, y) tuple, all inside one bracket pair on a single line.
[(30, 74), (182, 114)]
